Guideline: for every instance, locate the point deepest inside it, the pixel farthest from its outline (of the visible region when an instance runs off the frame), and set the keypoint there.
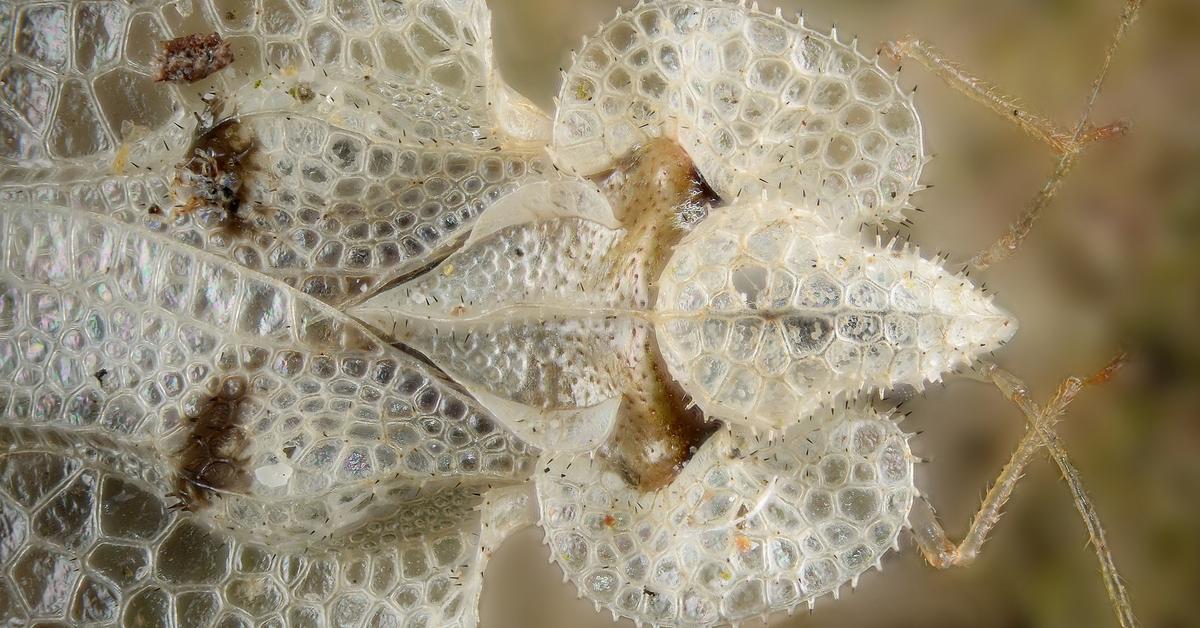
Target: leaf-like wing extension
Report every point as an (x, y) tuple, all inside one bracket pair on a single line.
[(81, 80), (546, 200), (335, 196), (747, 528), (343, 148), (89, 540), (504, 512), (550, 382), (766, 315), (547, 248), (278, 416), (759, 103), (526, 316)]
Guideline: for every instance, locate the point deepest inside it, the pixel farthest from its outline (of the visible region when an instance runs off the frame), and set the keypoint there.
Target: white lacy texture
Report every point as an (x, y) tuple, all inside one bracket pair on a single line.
[(760, 103), (323, 411), (748, 528), (342, 486), (197, 429), (527, 316), (374, 141), (92, 542), (113, 340), (766, 314)]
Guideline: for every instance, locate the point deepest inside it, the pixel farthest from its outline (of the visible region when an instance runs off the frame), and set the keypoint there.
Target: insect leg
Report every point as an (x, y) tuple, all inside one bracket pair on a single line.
[(950, 72), (1017, 391), (1069, 144), (937, 548), (942, 553), (1083, 135), (1010, 107)]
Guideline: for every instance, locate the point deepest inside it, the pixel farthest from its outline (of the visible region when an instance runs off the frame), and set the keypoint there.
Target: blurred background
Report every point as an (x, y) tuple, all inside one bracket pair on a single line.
[(1114, 264)]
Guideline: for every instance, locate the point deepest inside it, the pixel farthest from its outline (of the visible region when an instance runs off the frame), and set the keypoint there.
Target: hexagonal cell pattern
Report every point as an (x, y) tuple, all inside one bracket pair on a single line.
[(197, 429), (747, 528), (94, 59), (350, 182), (758, 102), (422, 565), (766, 314), (130, 341)]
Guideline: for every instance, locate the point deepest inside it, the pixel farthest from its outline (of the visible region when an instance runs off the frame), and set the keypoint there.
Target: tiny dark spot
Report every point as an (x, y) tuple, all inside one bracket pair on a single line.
[(519, 252), (301, 92), (100, 375)]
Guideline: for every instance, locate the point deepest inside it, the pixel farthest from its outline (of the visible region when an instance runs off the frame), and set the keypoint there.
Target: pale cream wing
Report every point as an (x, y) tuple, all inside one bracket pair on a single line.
[(271, 414)]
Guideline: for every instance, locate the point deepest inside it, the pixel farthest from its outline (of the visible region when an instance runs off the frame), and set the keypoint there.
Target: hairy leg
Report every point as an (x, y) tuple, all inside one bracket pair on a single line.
[(1069, 144), (942, 553), (1009, 107)]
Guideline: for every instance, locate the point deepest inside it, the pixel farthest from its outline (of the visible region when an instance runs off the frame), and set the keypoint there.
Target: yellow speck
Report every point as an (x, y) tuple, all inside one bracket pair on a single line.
[(448, 270), (121, 159), (583, 91)]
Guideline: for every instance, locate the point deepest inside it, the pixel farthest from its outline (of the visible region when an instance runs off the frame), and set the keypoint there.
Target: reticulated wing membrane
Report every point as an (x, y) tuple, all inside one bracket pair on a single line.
[(78, 71), (749, 527), (374, 133), (548, 247), (274, 415), (760, 104), (764, 316), (532, 316), (89, 539)]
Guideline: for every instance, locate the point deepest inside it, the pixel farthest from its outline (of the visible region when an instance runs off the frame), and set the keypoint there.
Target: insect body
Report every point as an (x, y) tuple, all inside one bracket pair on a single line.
[(671, 333), (604, 302)]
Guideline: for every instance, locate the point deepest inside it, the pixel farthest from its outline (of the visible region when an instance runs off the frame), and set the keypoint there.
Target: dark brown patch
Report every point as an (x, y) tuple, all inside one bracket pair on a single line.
[(191, 57), (215, 174), (211, 461), (657, 411), (658, 178), (656, 192)]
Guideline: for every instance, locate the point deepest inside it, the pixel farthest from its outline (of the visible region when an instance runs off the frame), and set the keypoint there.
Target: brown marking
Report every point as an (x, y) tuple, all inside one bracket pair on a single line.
[(1106, 374), (653, 192), (212, 461), (302, 92), (1106, 132), (221, 160), (658, 429), (191, 57)]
